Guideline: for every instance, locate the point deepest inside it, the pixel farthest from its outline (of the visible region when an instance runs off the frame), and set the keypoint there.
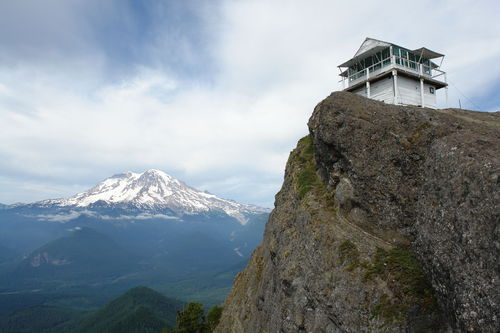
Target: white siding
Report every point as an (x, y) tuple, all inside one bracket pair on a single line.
[(408, 91), (360, 91), (429, 99), (382, 90)]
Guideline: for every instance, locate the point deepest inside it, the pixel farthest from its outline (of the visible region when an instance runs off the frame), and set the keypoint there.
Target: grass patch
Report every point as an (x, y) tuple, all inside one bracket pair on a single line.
[(405, 278), (418, 132), (307, 179), (259, 267), (349, 253), (392, 312)]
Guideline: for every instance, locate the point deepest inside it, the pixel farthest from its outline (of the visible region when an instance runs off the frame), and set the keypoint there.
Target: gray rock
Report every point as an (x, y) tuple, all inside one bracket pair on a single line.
[(387, 221)]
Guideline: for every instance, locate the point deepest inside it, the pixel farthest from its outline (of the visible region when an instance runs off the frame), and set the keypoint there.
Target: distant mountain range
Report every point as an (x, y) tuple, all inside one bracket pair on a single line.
[(131, 229)]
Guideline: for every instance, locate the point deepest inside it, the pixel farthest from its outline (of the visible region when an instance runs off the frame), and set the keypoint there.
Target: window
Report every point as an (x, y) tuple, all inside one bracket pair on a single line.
[(368, 62), (431, 90), (385, 53)]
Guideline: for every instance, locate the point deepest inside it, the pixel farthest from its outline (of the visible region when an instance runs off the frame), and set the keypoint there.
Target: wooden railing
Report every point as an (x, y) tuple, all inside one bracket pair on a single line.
[(392, 62)]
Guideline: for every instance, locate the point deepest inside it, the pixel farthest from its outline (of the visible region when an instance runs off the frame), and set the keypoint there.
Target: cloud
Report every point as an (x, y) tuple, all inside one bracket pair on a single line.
[(63, 217), (142, 216), (133, 125), (73, 215), (215, 94)]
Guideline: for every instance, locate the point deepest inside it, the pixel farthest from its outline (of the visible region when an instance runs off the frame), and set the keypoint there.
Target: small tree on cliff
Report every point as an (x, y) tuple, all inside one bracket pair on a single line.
[(191, 319), (213, 317)]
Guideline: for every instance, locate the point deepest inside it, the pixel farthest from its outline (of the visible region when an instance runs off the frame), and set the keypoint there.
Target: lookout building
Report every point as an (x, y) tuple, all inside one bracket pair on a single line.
[(393, 74)]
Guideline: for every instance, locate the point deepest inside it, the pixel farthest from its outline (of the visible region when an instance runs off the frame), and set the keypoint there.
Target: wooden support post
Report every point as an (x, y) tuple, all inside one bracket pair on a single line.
[(421, 92), (367, 83), (395, 80)]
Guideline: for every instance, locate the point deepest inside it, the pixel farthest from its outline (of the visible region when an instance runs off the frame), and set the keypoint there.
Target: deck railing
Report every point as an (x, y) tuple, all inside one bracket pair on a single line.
[(392, 62)]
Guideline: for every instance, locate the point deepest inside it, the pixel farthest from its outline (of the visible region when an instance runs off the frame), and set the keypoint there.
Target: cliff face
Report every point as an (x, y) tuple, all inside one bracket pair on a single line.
[(387, 221)]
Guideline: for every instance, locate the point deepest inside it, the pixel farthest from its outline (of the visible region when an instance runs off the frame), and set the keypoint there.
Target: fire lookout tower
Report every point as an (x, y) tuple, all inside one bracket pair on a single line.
[(393, 74)]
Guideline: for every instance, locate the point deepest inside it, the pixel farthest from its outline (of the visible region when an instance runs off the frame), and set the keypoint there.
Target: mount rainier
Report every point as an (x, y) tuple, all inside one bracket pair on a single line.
[(153, 190)]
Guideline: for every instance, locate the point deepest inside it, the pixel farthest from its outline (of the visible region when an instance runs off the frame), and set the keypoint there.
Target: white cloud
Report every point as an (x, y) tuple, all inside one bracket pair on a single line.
[(142, 216), (62, 217), (231, 134), (73, 215)]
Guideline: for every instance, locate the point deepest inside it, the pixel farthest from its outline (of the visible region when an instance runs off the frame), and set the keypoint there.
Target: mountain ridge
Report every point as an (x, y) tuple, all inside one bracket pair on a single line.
[(76, 254), (139, 309)]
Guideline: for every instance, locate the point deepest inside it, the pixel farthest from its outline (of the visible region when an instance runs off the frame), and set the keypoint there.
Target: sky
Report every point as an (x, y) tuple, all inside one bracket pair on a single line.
[(215, 93)]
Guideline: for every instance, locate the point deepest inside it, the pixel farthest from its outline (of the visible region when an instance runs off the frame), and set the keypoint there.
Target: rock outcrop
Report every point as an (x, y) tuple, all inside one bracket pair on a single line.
[(387, 221)]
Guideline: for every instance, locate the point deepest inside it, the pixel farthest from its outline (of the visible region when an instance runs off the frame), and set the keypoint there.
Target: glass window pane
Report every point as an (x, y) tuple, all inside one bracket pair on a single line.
[(368, 62)]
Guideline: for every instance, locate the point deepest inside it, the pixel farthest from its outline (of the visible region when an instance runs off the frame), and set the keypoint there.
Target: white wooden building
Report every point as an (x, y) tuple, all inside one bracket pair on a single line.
[(393, 74)]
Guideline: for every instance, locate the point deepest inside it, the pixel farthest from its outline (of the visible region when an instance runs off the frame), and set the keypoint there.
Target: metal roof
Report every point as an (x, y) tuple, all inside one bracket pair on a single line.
[(370, 43), (426, 53), (367, 53), (371, 46)]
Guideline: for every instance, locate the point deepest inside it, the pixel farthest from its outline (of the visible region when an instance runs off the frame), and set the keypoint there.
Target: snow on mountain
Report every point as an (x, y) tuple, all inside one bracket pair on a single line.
[(154, 189)]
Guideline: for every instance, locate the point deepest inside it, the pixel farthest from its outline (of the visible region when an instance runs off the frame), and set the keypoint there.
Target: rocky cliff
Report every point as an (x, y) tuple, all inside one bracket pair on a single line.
[(387, 221)]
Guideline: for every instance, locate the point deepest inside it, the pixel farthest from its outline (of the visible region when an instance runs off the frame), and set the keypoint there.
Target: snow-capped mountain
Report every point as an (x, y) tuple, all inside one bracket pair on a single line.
[(155, 190)]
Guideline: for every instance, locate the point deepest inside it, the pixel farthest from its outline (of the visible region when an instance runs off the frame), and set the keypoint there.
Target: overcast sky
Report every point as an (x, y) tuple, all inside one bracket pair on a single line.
[(215, 93)]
